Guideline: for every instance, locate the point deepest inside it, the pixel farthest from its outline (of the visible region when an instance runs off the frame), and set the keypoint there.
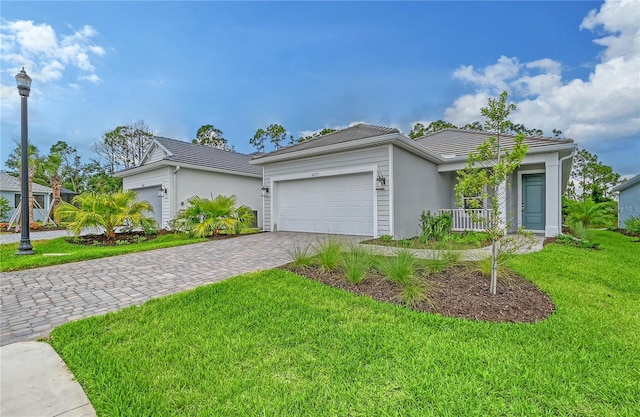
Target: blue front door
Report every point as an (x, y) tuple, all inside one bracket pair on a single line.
[(533, 206)]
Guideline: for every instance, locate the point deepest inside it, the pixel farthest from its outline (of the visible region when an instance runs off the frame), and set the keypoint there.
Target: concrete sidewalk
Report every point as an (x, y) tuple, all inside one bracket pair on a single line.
[(35, 382), (33, 236)]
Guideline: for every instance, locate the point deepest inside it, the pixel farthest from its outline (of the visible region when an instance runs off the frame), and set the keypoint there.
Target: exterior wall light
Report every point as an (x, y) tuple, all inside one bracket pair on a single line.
[(162, 191), (380, 181), (265, 190)]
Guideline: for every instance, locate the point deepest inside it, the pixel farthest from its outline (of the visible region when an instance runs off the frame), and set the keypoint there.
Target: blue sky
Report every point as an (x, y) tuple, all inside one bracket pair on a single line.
[(569, 65)]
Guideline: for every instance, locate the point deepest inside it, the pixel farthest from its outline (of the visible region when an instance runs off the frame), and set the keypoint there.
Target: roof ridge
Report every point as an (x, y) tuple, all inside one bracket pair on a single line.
[(486, 133), (183, 142)]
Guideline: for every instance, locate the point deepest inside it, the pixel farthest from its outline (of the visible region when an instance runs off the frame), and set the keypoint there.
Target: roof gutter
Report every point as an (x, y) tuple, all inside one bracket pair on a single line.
[(539, 149), (165, 163)]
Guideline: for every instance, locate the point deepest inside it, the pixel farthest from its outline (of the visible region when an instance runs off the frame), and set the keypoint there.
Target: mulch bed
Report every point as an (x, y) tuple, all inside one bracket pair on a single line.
[(130, 238), (456, 292)]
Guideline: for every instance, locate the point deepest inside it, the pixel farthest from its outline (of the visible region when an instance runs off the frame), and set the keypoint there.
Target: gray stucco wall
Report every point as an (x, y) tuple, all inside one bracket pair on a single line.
[(628, 204), (191, 182), (377, 157), (186, 183), (417, 186)]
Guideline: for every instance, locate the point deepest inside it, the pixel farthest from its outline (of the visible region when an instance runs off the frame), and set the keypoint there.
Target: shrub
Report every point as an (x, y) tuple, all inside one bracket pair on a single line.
[(205, 217), (468, 238), (445, 259), (577, 242), (590, 213), (578, 229), (434, 227), (329, 254), (632, 225), (386, 238), (356, 263), (106, 211), (5, 207)]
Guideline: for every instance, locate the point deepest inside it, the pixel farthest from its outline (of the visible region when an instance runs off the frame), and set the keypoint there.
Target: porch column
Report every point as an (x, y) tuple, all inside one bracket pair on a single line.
[(552, 197), (502, 205)]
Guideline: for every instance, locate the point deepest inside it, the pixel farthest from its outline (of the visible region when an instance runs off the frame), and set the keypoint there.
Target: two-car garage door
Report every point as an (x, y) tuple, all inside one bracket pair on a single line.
[(341, 204)]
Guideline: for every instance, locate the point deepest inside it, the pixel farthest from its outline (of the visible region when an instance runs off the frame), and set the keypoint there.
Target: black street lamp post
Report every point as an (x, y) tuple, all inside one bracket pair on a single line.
[(24, 86)]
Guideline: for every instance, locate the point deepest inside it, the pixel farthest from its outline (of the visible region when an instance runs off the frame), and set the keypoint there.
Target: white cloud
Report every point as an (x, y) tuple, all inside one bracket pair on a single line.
[(8, 94), (93, 78), (46, 55), (493, 75), (606, 106)]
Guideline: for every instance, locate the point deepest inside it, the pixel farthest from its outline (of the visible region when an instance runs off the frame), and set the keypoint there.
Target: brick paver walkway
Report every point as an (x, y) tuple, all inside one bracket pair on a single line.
[(35, 301)]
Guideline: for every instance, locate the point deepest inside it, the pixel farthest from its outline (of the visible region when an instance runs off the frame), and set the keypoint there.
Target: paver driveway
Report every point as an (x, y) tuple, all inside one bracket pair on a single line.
[(35, 301)]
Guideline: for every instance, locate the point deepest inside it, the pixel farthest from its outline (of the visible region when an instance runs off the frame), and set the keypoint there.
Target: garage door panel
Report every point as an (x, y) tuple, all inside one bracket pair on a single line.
[(337, 204), (150, 194)]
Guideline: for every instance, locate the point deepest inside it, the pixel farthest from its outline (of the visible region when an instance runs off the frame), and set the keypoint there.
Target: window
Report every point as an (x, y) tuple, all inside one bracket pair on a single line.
[(472, 202), (38, 201)]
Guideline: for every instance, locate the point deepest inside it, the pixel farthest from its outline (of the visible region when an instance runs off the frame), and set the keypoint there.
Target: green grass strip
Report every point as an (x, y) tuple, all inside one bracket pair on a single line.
[(60, 251)]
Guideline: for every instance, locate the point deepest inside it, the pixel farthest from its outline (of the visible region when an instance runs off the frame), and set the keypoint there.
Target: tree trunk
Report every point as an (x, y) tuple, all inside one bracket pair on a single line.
[(493, 286), (56, 185)]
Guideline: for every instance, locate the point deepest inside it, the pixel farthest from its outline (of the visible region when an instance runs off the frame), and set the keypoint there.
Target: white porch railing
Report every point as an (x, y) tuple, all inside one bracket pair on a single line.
[(472, 219)]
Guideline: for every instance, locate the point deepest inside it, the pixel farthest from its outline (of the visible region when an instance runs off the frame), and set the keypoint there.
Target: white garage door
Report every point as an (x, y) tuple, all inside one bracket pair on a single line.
[(339, 204), (150, 194)]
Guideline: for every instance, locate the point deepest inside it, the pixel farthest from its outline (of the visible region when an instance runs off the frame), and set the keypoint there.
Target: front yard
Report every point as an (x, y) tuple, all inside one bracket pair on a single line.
[(274, 343)]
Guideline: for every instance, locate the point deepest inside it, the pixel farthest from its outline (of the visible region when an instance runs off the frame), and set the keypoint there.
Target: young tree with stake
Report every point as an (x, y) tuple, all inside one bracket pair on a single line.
[(487, 171)]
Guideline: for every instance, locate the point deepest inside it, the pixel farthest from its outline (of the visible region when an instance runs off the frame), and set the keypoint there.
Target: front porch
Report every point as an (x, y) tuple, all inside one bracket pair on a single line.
[(468, 219)]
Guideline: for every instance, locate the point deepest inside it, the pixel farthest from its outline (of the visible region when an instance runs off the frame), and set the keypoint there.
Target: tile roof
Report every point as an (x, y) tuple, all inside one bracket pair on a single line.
[(359, 131), (456, 143), (204, 156), (9, 183)]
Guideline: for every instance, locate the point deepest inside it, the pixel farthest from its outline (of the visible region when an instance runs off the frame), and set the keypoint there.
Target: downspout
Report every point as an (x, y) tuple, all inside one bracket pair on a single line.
[(560, 161), (173, 197)]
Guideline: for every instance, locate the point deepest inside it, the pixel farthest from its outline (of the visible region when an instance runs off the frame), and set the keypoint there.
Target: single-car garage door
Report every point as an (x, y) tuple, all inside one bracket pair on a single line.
[(340, 204), (150, 194)]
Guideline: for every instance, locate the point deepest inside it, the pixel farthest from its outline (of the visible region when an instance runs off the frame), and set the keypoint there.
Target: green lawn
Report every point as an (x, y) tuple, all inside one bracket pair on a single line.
[(275, 344), (60, 251)]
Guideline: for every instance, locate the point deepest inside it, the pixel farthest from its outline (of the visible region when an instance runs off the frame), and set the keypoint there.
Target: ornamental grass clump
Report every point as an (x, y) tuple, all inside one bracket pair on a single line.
[(301, 257), (356, 263), (402, 270), (329, 254)]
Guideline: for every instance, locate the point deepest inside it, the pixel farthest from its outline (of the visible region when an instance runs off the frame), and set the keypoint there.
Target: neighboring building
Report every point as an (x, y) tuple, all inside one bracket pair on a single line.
[(372, 180), (10, 189), (628, 199), (67, 195), (172, 171)]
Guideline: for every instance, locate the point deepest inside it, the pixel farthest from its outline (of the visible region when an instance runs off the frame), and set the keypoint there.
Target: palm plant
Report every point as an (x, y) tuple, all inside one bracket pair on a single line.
[(589, 212), (205, 217), (108, 211)]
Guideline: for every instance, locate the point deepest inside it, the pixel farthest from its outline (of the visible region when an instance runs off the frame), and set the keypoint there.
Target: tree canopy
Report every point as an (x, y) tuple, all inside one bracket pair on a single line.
[(322, 132), (124, 146), (419, 129), (209, 135), (274, 134), (590, 178)]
